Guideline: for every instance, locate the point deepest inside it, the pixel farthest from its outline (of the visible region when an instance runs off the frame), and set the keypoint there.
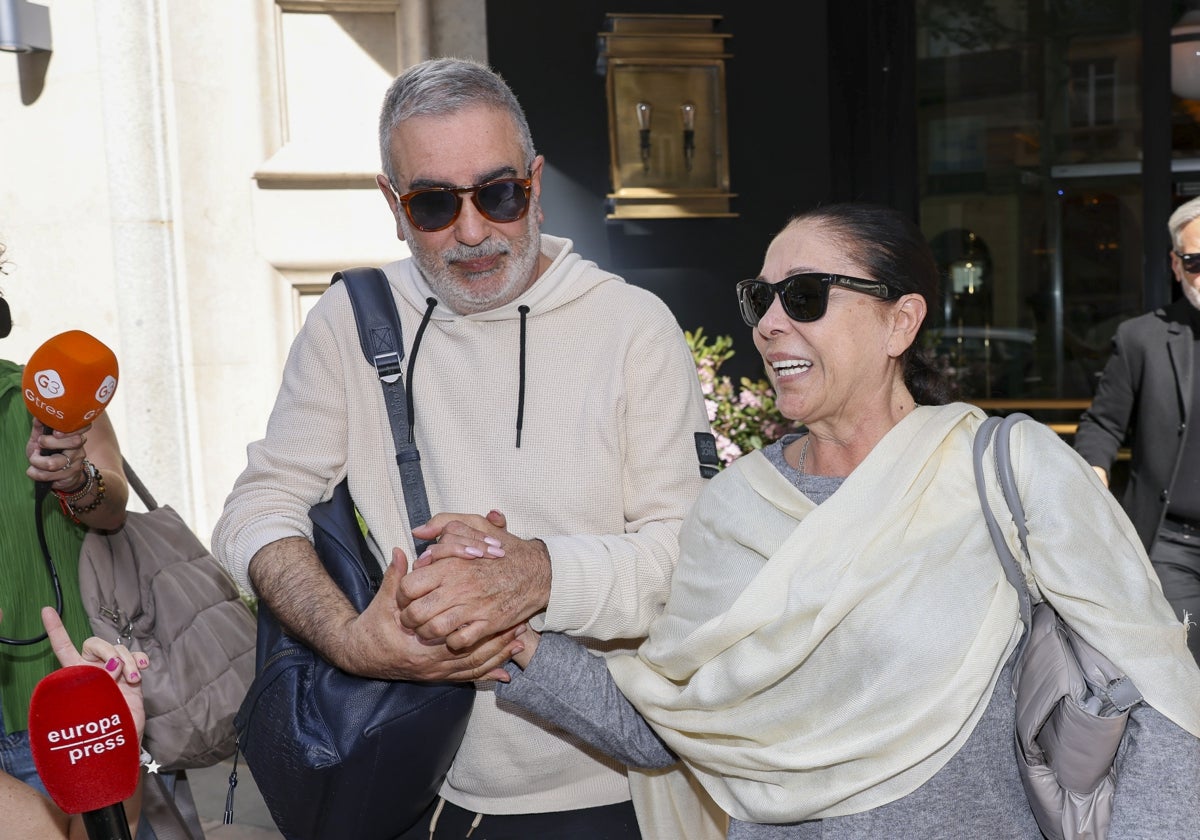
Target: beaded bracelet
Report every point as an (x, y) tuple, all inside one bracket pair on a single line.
[(89, 478), (94, 479)]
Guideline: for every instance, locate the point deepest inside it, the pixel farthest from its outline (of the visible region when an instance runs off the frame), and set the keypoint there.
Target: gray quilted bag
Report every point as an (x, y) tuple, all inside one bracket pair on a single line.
[(1072, 703), (154, 587)]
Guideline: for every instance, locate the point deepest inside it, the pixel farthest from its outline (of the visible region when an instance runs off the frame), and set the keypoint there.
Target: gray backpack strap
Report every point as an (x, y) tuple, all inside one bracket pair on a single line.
[(138, 487), (170, 809), (382, 343)]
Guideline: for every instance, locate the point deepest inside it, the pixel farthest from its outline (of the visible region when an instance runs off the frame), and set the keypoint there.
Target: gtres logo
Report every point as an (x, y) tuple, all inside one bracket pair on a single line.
[(42, 405), (106, 389), (91, 738), (49, 384)]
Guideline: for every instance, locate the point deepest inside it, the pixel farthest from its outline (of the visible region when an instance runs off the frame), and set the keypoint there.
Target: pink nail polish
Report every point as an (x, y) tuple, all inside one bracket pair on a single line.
[(492, 541), (473, 551), (495, 552), (112, 664)]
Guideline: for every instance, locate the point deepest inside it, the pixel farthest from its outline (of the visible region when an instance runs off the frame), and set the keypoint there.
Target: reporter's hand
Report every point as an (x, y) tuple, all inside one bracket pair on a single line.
[(122, 664), (476, 581), (62, 468)]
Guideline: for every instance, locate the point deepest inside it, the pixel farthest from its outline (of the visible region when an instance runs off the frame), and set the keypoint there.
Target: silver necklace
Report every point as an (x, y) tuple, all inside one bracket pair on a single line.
[(803, 453)]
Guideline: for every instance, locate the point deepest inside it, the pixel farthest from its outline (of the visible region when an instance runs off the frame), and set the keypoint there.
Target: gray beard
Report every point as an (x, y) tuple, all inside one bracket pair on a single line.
[(1192, 294), (462, 297)]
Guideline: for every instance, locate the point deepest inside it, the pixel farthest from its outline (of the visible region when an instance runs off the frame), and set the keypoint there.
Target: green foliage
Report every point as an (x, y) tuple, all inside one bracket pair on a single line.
[(743, 415)]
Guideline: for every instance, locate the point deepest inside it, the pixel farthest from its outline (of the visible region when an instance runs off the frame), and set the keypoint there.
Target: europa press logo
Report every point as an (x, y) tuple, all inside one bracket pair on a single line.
[(84, 741)]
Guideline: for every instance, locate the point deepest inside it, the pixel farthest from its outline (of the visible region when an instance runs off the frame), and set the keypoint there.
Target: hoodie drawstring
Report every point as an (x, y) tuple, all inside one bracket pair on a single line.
[(412, 360), (437, 812), (524, 310)]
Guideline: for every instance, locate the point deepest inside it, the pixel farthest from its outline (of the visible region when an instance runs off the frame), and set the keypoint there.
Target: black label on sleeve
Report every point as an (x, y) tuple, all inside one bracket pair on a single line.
[(706, 453)]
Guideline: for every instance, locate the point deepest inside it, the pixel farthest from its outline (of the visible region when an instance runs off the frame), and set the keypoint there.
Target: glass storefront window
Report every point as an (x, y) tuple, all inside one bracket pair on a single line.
[(1029, 139)]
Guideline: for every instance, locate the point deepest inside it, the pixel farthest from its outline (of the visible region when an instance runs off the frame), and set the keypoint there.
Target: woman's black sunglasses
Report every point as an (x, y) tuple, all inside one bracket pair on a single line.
[(436, 208), (1191, 262), (804, 296)]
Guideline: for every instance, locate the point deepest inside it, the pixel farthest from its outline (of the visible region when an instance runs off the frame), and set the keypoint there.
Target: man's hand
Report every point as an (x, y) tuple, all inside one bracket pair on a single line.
[(375, 643), (288, 575), (477, 581)]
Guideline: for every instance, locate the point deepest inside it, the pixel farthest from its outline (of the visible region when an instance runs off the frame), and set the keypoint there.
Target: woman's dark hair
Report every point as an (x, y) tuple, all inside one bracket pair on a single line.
[(893, 250)]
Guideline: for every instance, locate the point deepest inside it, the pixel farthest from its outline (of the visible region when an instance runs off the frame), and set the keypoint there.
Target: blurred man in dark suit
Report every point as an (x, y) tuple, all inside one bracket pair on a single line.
[(1147, 395)]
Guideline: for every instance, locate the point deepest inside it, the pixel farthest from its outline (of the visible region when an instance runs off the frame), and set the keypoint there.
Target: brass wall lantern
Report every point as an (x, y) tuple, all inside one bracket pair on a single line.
[(665, 80)]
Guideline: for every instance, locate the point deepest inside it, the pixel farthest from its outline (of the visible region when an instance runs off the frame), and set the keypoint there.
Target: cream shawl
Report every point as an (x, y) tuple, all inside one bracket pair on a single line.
[(820, 661)]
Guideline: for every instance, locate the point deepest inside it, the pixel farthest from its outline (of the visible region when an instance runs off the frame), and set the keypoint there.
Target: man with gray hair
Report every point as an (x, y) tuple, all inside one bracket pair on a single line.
[(1149, 394), (563, 436)]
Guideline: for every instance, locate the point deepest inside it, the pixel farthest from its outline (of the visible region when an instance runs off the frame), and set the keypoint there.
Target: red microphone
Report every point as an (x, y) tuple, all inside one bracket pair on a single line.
[(69, 380), (85, 747)]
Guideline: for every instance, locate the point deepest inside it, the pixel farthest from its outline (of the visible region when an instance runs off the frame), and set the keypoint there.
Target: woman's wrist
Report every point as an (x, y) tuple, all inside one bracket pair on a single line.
[(87, 482), (87, 497)]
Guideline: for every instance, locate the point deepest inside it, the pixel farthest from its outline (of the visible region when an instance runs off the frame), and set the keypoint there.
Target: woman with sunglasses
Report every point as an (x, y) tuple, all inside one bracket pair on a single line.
[(834, 657)]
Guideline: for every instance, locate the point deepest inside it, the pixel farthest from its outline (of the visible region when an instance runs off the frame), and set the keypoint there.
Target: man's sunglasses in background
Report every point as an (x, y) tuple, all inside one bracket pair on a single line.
[(1191, 262)]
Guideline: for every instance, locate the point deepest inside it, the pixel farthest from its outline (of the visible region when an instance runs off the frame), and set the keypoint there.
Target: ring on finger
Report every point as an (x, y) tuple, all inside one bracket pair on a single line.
[(66, 466)]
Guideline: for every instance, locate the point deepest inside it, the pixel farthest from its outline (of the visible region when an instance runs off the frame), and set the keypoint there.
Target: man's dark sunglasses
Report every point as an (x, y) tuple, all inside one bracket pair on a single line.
[(436, 208), (1191, 262), (804, 296)]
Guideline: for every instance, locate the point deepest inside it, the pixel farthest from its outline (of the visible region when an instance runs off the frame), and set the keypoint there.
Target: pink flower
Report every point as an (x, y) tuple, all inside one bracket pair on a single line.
[(747, 399), (728, 450)]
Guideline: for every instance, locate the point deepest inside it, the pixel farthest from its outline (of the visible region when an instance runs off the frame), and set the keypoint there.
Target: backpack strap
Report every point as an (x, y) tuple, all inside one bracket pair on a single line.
[(382, 343)]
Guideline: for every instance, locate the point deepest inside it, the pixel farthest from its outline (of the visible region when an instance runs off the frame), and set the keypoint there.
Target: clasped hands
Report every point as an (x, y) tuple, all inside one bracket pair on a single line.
[(462, 607)]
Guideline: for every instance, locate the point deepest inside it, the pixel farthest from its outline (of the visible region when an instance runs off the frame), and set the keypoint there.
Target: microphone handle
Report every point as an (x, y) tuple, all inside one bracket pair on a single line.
[(107, 823), (42, 488)]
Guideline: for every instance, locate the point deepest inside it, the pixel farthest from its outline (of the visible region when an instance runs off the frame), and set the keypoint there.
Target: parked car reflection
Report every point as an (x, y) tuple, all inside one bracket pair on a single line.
[(988, 362)]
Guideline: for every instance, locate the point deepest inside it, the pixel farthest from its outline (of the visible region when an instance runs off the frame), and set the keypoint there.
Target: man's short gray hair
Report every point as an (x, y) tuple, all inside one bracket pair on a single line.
[(443, 86), (1183, 216)]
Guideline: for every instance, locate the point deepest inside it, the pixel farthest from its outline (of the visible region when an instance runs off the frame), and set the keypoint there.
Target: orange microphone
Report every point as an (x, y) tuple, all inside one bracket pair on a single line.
[(67, 383), (69, 380)]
